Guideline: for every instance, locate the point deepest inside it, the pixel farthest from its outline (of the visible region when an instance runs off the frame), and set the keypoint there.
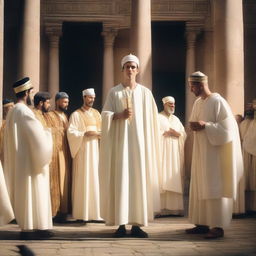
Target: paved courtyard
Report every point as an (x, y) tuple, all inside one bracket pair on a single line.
[(166, 237)]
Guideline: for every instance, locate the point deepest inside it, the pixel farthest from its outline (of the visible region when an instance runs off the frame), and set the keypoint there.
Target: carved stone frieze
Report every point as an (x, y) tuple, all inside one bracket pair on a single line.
[(106, 9)]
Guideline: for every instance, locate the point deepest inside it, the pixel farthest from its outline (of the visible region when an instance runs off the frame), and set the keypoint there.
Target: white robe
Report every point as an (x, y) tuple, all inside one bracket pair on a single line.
[(28, 152), (129, 158), (217, 165), (249, 148), (172, 163), (6, 211), (85, 181)]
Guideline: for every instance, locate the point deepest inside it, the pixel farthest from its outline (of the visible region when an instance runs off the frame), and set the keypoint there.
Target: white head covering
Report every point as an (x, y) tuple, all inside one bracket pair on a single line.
[(198, 76), (129, 58), (168, 99), (89, 92)]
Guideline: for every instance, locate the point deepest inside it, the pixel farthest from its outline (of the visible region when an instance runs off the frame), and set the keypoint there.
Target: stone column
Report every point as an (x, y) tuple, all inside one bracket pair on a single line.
[(140, 39), (1, 55), (109, 35), (30, 43), (229, 52), (192, 31), (191, 34), (54, 33)]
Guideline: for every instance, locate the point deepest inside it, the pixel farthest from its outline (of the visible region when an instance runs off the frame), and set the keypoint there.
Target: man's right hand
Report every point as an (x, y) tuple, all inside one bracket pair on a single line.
[(127, 113)]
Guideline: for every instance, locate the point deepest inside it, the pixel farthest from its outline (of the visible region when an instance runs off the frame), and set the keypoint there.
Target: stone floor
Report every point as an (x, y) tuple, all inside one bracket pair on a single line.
[(166, 237)]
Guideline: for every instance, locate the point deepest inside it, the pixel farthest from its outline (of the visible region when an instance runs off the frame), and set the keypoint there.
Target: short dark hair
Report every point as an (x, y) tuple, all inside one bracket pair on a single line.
[(41, 96), (22, 94)]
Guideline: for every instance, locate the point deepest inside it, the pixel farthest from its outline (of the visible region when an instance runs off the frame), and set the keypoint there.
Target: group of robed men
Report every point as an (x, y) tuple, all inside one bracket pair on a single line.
[(136, 171)]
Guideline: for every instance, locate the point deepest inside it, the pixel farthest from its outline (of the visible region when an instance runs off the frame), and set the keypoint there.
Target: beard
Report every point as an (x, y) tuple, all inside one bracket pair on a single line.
[(90, 104), (44, 109), (29, 101), (249, 114), (170, 111), (63, 109)]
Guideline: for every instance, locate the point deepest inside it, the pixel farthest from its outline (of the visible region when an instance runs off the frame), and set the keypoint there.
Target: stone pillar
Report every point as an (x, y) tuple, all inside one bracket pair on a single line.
[(229, 52), (208, 57), (109, 35), (1, 55), (30, 43), (191, 34), (192, 31), (54, 33), (140, 39)]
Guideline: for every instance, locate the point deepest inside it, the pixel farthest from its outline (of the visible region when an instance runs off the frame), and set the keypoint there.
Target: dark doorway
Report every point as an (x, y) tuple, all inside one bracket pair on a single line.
[(168, 63), (81, 58)]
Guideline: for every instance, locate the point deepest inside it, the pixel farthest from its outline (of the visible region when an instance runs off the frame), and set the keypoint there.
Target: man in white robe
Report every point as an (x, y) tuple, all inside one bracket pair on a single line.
[(217, 165), (28, 150), (6, 211), (173, 138), (239, 202), (129, 155), (83, 136), (249, 150)]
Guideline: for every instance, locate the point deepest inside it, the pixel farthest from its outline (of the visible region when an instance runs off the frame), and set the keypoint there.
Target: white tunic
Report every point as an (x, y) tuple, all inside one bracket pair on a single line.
[(85, 154), (249, 149), (129, 158), (172, 163), (6, 212), (217, 165), (28, 152)]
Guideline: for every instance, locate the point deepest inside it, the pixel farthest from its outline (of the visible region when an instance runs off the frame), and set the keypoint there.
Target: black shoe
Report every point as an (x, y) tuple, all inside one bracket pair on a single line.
[(198, 229), (214, 233), (136, 231), (120, 232)]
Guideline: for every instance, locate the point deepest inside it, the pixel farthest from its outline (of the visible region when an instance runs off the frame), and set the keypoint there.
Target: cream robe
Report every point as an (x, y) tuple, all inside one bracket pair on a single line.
[(6, 212), (130, 158), (172, 163), (249, 147), (85, 154), (28, 151), (217, 165)]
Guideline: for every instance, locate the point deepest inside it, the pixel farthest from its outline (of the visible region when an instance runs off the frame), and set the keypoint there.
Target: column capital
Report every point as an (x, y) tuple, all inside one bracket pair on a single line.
[(193, 29), (109, 33), (53, 29)]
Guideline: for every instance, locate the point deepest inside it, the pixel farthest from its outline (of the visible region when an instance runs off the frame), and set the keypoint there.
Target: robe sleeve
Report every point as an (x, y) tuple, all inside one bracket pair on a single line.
[(75, 134), (39, 140), (105, 150), (152, 149), (221, 131), (250, 139)]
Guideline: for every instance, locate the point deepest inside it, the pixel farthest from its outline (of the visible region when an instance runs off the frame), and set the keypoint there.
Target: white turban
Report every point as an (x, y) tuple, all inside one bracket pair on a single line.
[(168, 99), (198, 76), (129, 58), (89, 92)]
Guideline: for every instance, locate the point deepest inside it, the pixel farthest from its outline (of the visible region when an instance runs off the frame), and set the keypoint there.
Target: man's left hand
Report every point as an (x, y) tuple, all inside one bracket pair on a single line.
[(197, 126)]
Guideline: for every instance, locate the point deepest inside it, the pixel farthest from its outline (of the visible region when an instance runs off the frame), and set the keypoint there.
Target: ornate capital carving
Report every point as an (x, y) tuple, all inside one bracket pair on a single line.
[(53, 31), (109, 33), (192, 30)]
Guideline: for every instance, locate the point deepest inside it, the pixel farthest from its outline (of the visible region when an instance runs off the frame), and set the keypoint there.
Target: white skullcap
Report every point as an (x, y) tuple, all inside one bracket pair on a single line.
[(89, 92), (129, 58), (198, 76), (168, 99)]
